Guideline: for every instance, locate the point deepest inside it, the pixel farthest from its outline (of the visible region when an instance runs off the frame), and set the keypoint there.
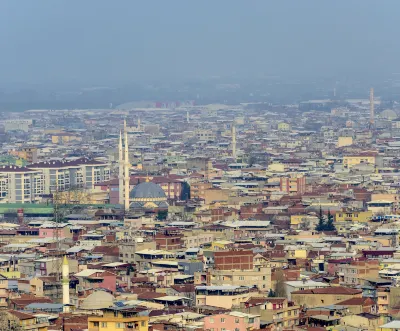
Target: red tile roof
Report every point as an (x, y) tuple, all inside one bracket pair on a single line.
[(330, 290)]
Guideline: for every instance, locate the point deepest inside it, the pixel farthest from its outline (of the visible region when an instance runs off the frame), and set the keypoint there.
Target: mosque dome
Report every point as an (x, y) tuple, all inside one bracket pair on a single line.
[(148, 195), (388, 114), (98, 300)]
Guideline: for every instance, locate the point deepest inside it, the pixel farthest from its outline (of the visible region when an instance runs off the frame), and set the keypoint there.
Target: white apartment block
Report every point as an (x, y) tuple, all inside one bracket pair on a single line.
[(27, 184)]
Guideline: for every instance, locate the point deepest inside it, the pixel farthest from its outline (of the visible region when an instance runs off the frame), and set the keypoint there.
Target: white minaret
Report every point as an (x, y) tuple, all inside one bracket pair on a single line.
[(126, 170), (138, 123), (65, 284), (121, 171), (234, 142), (187, 116)]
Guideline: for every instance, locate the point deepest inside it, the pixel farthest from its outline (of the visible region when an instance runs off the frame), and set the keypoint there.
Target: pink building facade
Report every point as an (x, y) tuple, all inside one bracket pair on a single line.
[(233, 321)]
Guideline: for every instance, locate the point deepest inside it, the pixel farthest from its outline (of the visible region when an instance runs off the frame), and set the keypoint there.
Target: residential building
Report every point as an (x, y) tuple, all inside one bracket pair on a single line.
[(324, 296), (119, 318), (235, 321)]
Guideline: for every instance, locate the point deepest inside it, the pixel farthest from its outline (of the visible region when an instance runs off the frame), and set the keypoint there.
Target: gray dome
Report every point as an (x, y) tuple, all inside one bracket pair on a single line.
[(147, 191), (98, 300)]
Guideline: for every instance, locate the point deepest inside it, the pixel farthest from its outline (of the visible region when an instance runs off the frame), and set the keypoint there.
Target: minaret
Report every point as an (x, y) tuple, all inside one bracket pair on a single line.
[(121, 172), (187, 116), (65, 284), (371, 108), (138, 123), (126, 170), (234, 142)]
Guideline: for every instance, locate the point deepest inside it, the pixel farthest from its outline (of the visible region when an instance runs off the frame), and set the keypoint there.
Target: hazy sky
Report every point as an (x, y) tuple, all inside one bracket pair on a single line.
[(115, 41)]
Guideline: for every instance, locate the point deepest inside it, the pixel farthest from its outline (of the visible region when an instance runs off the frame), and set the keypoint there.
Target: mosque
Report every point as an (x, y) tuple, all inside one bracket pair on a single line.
[(146, 196)]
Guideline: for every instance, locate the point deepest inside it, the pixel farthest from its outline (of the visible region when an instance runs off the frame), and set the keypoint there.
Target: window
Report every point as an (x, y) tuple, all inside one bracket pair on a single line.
[(143, 323), (237, 320), (120, 325), (222, 320), (241, 277), (96, 324), (103, 324), (251, 320), (211, 320), (237, 329)]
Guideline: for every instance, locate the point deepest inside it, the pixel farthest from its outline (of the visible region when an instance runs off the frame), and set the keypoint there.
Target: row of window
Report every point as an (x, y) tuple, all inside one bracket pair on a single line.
[(118, 325)]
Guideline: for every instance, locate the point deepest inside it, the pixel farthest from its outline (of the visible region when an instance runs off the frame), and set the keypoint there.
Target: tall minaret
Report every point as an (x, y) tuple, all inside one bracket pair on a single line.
[(126, 169), (371, 108), (121, 171), (138, 123), (234, 142), (65, 284), (187, 116)]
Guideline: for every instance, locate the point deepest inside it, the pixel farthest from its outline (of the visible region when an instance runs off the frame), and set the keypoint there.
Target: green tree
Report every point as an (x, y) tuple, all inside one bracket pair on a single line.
[(162, 215), (271, 293), (321, 221), (329, 226)]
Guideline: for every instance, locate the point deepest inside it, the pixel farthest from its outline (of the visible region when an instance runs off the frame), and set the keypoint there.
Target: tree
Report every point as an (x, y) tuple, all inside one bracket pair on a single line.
[(9, 322), (321, 221), (162, 215), (280, 288), (329, 226), (271, 293)]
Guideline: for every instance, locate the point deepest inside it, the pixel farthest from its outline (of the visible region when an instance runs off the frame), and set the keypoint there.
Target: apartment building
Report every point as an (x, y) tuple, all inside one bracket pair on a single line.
[(63, 175), (257, 277), (283, 313), (221, 296), (234, 320), (294, 184), (28, 184), (20, 184), (119, 318), (354, 272)]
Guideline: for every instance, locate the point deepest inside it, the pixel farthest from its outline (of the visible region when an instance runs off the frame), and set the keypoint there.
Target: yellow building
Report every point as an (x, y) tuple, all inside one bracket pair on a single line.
[(284, 126), (27, 321), (353, 216), (221, 245), (64, 138), (119, 319), (350, 161), (278, 167), (344, 141)]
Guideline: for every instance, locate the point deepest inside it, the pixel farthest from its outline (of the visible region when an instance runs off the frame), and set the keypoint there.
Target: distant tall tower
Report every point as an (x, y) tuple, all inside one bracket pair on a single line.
[(138, 123), (234, 142), (121, 171), (126, 169), (187, 116), (371, 108), (334, 92), (65, 284)]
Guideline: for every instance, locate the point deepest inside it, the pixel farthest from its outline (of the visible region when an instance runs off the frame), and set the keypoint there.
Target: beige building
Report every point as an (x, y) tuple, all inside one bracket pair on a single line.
[(344, 141), (277, 310), (221, 296), (259, 277), (324, 296), (127, 249)]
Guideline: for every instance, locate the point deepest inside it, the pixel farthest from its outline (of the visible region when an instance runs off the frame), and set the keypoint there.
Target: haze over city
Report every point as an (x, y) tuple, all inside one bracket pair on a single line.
[(199, 165)]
